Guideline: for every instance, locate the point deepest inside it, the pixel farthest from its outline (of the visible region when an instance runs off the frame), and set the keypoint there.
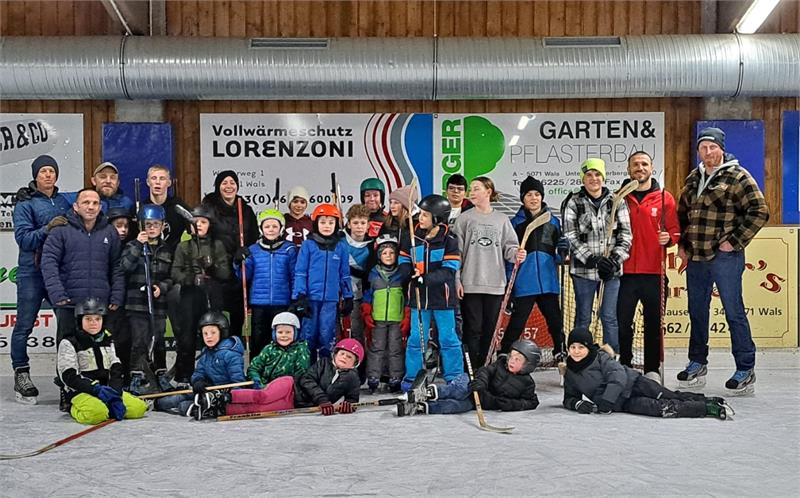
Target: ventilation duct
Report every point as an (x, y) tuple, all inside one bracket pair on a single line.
[(193, 68)]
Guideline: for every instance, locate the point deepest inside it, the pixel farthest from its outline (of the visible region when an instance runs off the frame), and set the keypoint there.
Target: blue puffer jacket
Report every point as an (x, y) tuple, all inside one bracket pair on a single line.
[(118, 200), (270, 272), (77, 264), (323, 270), (537, 275), (222, 364), (30, 222)]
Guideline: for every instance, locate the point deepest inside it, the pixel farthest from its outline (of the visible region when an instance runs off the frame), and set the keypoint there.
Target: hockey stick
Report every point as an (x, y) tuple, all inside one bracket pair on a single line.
[(275, 203), (481, 417), (413, 246), (504, 315), (301, 411), (662, 293), (337, 202), (246, 331), (190, 391), (60, 442), (148, 282)]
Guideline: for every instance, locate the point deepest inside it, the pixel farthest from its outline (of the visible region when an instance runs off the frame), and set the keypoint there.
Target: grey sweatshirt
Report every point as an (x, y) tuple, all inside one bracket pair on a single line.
[(486, 241)]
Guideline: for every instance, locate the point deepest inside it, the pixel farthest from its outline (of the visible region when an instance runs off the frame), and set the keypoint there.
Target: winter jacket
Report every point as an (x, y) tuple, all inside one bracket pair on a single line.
[(486, 241), (729, 207), (601, 379), (84, 360), (361, 260), (222, 364), (504, 390), (77, 264), (186, 262), (174, 224), (376, 220), (298, 230), (386, 294), (585, 229), (645, 255), (225, 225), (118, 200), (276, 361), (537, 274), (132, 262), (270, 273), (439, 259), (324, 383), (322, 272), (30, 226)]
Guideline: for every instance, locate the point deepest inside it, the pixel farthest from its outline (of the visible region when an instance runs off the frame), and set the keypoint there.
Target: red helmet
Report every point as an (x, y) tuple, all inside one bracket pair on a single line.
[(325, 210), (352, 346)]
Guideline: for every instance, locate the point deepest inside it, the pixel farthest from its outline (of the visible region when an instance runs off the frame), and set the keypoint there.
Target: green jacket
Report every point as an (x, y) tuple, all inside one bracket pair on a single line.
[(192, 255), (275, 361), (385, 293)]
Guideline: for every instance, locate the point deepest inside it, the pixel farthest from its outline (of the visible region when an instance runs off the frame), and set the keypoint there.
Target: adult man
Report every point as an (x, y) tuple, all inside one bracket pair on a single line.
[(373, 195), (456, 192), (720, 210), (654, 224), (33, 220), (80, 260)]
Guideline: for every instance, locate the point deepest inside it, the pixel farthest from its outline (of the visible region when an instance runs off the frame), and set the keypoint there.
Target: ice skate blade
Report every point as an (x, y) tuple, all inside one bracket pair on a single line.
[(25, 400), (695, 383), (748, 390)]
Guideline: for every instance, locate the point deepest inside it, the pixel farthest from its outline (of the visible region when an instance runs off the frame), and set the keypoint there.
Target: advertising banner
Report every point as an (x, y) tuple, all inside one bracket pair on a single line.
[(745, 140), (791, 167)]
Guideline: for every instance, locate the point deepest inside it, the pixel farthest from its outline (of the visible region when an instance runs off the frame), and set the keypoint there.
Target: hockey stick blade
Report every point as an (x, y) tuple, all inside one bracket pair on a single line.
[(540, 220), (496, 430), (190, 391), (59, 442), (184, 213), (300, 411)]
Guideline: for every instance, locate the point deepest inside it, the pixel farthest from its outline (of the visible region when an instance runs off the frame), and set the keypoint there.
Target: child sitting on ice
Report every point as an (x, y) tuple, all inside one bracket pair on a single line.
[(505, 385), (276, 367), (220, 362), (90, 371), (331, 379), (609, 386)]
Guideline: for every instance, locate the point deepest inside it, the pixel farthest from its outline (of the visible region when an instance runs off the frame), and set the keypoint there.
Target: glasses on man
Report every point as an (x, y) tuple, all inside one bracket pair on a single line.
[(456, 188)]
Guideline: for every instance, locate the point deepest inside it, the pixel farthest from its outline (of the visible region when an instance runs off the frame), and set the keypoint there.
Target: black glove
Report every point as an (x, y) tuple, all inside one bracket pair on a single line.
[(585, 407), (591, 262), (327, 408), (604, 406), (562, 247), (300, 307), (199, 386), (476, 385), (24, 194), (58, 221), (607, 268), (347, 306), (241, 254)]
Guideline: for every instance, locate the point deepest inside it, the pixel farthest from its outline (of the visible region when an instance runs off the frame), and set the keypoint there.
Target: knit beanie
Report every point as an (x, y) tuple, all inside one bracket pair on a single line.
[(580, 335), (530, 183), (594, 163), (712, 135), (42, 161), (222, 176), (402, 195)]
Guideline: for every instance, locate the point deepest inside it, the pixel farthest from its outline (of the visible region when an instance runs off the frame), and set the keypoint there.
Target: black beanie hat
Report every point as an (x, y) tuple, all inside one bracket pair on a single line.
[(580, 335), (42, 161), (712, 135), (222, 176), (530, 183)]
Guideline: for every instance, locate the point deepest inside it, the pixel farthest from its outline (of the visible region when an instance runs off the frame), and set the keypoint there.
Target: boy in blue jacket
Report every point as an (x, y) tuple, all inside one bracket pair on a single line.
[(321, 279), (269, 267)]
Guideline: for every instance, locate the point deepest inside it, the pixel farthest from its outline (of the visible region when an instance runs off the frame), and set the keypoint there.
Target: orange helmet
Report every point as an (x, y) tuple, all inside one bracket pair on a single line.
[(325, 210)]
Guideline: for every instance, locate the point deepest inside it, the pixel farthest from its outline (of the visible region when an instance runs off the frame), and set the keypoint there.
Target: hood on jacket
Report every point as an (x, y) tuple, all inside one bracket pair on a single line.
[(232, 343)]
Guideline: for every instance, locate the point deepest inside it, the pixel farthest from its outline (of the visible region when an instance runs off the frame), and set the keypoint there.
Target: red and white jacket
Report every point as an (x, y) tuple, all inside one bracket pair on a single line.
[(645, 254)]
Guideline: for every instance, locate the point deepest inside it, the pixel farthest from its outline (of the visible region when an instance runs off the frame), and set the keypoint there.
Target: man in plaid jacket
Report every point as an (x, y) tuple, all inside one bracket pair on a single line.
[(720, 210), (586, 216)]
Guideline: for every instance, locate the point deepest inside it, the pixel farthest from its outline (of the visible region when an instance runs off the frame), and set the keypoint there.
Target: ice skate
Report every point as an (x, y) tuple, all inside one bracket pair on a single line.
[(417, 391), (393, 386), (407, 409), (741, 383), (693, 376), (717, 409), (24, 390), (138, 385), (164, 382), (372, 384), (432, 392)]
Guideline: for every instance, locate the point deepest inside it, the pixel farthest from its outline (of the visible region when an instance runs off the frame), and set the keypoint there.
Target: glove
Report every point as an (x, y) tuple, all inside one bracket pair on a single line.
[(591, 262), (199, 386), (607, 268), (366, 315), (300, 307), (24, 194), (58, 221), (117, 409), (562, 247), (257, 384), (106, 394), (477, 385), (585, 407), (205, 262), (604, 406), (346, 407), (405, 324), (347, 306), (327, 408), (241, 254)]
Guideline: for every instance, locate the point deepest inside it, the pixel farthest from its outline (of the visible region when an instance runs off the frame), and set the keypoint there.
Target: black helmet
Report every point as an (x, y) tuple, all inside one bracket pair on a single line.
[(215, 318), (119, 212), (90, 306), (438, 206), (203, 212), (530, 351)]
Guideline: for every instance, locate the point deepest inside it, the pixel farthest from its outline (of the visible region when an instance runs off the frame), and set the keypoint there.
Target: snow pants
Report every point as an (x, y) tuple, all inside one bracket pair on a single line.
[(89, 410), (386, 348), (633, 288), (650, 398), (523, 305), (454, 397), (450, 344), (141, 339), (319, 330), (480, 313), (277, 395), (177, 404)]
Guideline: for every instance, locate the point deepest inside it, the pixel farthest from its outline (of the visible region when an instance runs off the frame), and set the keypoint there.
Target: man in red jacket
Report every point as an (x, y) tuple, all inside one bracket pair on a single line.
[(654, 223)]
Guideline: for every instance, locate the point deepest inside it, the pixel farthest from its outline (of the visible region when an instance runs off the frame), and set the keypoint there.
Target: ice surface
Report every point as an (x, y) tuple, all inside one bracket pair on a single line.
[(374, 453)]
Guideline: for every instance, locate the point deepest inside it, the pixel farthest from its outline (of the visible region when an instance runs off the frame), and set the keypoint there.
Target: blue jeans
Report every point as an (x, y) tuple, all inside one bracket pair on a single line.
[(725, 270), (177, 404), (449, 344), (454, 397), (30, 294), (585, 290)]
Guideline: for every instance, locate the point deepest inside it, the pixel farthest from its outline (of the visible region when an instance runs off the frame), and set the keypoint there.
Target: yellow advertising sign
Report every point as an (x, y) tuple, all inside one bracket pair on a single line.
[(770, 293)]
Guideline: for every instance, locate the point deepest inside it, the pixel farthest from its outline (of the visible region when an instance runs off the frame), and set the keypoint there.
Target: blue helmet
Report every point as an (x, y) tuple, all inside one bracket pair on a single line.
[(152, 212)]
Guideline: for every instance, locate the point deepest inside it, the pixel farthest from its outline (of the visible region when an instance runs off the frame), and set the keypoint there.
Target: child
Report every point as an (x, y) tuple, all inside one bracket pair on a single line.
[(147, 345), (401, 202), (385, 314), (298, 224), (91, 372), (269, 266), (328, 380), (322, 276), (116, 321), (220, 362), (362, 259), (437, 259), (505, 385), (121, 218), (276, 367), (201, 266), (609, 386)]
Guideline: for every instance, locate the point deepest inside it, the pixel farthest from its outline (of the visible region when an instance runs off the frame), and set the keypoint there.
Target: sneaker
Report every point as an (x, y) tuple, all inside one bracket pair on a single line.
[(693, 374), (741, 381), (24, 390)]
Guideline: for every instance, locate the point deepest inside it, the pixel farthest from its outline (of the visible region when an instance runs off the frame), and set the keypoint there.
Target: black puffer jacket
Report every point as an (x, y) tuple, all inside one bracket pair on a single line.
[(225, 225), (323, 383), (506, 391), (601, 379)]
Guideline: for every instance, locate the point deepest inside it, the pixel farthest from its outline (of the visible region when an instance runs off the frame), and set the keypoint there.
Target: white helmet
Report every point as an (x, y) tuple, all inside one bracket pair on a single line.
[(298, 191), (286, 318)]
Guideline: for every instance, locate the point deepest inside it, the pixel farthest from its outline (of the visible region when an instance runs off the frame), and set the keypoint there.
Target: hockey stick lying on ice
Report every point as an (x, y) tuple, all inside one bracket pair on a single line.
[(300, 411), (190, 391), (481, 418), (59, 442)]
